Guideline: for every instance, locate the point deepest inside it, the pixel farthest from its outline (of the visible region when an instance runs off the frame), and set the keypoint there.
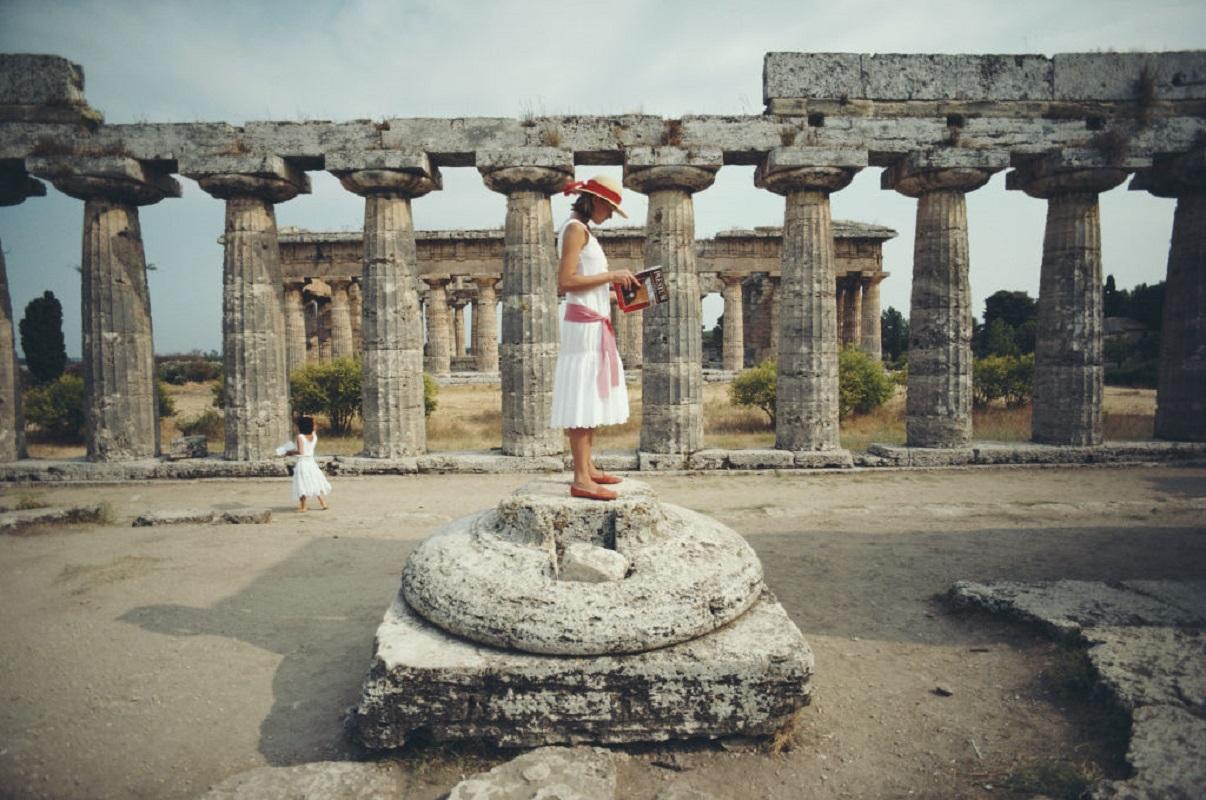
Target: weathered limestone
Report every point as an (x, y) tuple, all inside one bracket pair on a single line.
[(256, 385), (1181, 392), (939, 401), (806, 396), (295, 326), (391, 328), (1069, 375), (871, 341), (187, 447), (530, 328), (330, 780), (672, 372), (458, 327), (572, 773), (341, 320), (12, 421), (356, 301), (485, 325), (438, 360), (733, 356), (120, 407), (852, 316)]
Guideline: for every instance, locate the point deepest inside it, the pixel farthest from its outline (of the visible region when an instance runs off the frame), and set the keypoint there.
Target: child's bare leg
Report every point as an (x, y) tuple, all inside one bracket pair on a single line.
[(322, 502), (301, 503)]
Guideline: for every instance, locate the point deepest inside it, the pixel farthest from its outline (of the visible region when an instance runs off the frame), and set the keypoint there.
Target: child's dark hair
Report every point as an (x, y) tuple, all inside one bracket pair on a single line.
[(305, 425), (583, 206)]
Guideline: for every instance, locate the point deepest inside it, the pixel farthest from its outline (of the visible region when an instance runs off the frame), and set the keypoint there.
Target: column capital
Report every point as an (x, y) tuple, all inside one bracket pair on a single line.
[(268, 177), (1068, 171), (1184, 174), (732, 278), (533, 169), (793, 169), (648, 169), (948, 169), (317, 287), (16, 184), (385, 172), (118, 178), (436, 281), (485, 281)]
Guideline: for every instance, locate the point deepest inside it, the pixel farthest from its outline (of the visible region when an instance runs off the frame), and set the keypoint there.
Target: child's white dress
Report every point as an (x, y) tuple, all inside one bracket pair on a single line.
[(308, 480), (576, 400)]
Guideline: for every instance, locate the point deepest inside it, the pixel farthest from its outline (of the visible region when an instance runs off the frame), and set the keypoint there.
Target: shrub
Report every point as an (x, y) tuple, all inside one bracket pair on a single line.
[(756, 387), (1008, 378), (331, 389), (57, 408), (208, 423), (42, 342), (164, 401), (430, 390), (189, 370), (863, 386), (1144, 375)]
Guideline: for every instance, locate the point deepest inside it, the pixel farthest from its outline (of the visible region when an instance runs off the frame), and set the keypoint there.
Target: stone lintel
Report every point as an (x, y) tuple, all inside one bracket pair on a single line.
[(43, 88), (1066, 172), (118, 178), (16, 184), (1172, 178), (951, 168), (670, 156), (550, 157), (1173, 75)]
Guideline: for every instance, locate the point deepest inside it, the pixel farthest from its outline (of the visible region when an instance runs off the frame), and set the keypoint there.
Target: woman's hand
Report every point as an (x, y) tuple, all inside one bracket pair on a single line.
[(624, 277)]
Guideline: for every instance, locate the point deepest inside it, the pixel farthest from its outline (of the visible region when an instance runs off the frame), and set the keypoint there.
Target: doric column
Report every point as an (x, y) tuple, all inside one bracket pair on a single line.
[(295, 325), (485, 324), (253, 321), (438, 360), (391, 327), (341, 319), (1181, 392), (356, 302), (632, 348), (733, 357), (15, 186), (458, 326), (772, 299), (839, 303), (120, 406), (672, 374), (806, 397), (852, 315), (530, 328), (1068, 360), (870, 340)]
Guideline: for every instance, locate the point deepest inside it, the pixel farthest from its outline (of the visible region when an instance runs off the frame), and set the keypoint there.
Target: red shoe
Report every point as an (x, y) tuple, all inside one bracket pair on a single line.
[(603, 477), (602, 494)]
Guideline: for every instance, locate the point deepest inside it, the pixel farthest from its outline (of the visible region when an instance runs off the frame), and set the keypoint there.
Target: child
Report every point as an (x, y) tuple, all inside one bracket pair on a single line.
[(308, 480)]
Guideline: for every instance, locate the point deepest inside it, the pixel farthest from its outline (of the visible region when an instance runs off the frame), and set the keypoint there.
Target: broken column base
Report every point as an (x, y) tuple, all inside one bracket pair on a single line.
[(747, 678)]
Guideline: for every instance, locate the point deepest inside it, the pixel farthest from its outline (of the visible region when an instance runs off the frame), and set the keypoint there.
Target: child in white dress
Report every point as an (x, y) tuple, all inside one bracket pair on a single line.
[(308, 480), (588, 385)]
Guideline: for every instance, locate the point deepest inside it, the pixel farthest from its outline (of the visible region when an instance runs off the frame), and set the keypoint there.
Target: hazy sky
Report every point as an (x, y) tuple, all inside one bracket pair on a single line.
[(174, 61)]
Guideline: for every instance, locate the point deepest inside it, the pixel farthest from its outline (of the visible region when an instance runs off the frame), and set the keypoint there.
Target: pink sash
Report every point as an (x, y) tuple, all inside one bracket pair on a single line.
[(609, 363)]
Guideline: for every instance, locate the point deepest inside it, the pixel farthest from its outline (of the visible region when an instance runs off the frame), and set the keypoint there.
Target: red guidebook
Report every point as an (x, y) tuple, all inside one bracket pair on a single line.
[(651, 291)]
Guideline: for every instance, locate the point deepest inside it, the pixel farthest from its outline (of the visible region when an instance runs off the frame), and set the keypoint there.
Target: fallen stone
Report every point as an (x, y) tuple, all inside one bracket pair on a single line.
[(191, 517), (1152, 666), (188, 447), (590, 564), (549, 773), (943, 691), (248, 516), (1168, 754), (28, 517), (1187, 595), (683, 791), (328, 780)]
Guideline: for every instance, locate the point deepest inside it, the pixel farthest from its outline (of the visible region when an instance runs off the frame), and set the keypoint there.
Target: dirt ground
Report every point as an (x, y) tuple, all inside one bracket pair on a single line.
[(155, 662)]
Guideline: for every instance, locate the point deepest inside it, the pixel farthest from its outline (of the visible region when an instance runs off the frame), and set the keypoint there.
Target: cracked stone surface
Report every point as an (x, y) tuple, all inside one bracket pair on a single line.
[(564, 773), (330, 780), (1152, 666)]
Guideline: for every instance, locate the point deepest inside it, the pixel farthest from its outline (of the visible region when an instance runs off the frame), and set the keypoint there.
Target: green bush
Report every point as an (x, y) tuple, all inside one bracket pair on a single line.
[(208, 423), (756, 387), (430, 390), (863, 385), (331, 388), (164, 401), (1008, 378), (57, 408), (189, 370), (1144, 375)]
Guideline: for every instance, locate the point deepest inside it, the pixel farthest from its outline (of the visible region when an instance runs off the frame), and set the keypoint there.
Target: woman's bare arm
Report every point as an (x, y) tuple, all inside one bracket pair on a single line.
[(568, 279)]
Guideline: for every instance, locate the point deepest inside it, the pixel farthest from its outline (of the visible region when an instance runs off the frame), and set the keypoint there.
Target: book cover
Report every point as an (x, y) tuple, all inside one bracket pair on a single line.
[(651, 291)]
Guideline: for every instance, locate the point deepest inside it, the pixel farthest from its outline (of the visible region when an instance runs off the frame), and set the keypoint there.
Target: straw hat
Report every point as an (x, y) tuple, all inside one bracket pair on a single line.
[(602, 186)]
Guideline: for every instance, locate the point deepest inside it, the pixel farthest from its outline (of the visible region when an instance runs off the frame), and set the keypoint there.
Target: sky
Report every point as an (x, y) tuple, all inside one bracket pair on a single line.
[(177, 61)]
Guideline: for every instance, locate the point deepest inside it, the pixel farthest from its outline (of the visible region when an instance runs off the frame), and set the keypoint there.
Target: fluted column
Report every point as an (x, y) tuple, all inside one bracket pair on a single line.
[(870, 340), (672, 374), (356, 303), (939, 401), (120, 407), (341, 319), (806, 396), (458, 327), (485, 324), (391, 324), (15, 187), (1068, 359), (633, 342), (530, 327), (1181, 392), (839, 304), (256, 385), (438, 360), (733, 356), (295, 326), (853, 314), (772, 297)]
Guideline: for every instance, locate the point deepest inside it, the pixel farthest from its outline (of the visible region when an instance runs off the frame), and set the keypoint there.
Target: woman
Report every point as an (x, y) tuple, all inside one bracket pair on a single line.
[(588, 386)]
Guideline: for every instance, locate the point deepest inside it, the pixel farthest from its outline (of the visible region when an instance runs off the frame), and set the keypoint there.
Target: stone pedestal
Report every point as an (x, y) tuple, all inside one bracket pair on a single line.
[(530, 327), (438, 360), (733, 356), (295, 326), (672, 372), (391, 326), (870, 339), (806, 400), (940, 318), (485, 325), (1068, 370), (120, 405), (253, 324)]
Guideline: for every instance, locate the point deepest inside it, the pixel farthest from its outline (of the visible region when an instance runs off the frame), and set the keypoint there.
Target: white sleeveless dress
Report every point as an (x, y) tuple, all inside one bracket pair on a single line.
[(308, 480), (576, 400)]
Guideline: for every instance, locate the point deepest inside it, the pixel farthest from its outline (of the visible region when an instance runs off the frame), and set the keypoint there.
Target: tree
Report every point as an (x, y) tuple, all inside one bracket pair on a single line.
[(42, 338), (331, 388), (894, 334), (1010, 323), (1015, 308)]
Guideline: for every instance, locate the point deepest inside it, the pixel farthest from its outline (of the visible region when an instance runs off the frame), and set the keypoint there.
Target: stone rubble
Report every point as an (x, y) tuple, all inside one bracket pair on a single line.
[(15, 520), (547, 773), (320, 780), (590, 564)]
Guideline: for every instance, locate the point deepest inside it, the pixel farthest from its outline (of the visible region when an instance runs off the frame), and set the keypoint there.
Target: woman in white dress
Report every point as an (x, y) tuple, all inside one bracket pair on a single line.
[(308, 480), (588, 386)]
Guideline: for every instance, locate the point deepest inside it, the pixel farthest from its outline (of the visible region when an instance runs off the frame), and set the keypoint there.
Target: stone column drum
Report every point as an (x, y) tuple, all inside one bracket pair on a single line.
[(485, 324), (1181, 392), (939, 401), (806, 397), (391, 325), (295, 326), (852, 317), (530, 326), (356, 304), (438, 360), (120, 406), (672, 373), (15, 186), (870, 340), (341, 319), (458, 327), (253, 322), (1069, 374), (733, 357)]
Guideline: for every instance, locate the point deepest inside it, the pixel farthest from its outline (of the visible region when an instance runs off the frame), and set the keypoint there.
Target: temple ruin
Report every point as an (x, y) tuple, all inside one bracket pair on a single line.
[(1067, 127)]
